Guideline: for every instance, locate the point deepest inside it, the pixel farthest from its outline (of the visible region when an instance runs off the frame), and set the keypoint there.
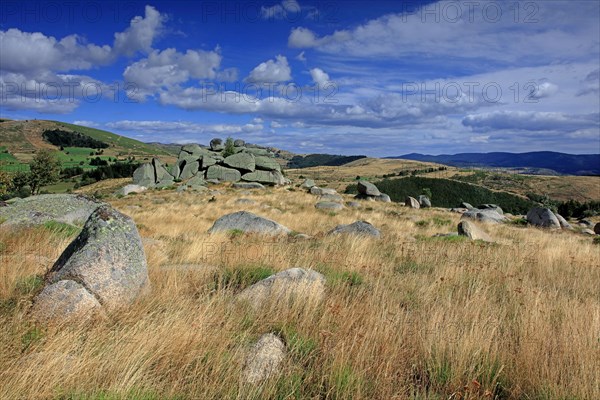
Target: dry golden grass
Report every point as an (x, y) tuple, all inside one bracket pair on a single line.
[(405, 317)]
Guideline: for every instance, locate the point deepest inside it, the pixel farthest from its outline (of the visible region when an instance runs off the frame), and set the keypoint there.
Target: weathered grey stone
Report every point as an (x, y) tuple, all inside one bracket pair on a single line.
[(491, 207), (175, 170), (424, 201), (563, 222), (472, 231), (331, 197), (196, 183), (248, 185), (248, 222), (144, 175), (488, 216), (207, 161), (213, 181), (107, 258), (257, 151), (267, 164), (189, 169), (317, 191), (71, 209), (128, 189), (543, 217), (243, 161), (266, 177), (329, 205), (412, 202), (307, 184), (192, 149), (216, 144), (384, 198), (239, 143), (368, 188), (353, 204), (466, 205), (588, 232), (160, 172), (263, 359), (292, 284), (239, 149), (585, 222), (63, 300), (358, 228), (223, 174), (165, 184)]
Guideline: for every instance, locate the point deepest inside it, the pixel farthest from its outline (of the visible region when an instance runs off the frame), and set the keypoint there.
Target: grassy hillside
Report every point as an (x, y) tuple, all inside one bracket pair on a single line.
[(404, 317)]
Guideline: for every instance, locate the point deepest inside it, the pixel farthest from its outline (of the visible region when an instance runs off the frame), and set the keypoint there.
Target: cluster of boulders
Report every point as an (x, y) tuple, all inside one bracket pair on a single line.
[(488, 213), (422, 202), (368, 191), (103, 268), (197, 165)]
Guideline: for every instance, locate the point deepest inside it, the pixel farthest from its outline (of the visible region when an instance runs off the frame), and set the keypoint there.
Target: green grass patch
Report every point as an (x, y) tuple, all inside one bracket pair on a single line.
[(31, 337), (29, 284), (61, 229), (450, 239), (238, 278), (335, 277)]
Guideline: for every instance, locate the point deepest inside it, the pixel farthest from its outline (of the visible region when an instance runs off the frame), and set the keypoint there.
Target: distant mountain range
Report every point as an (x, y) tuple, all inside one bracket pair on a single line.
[(570, 164)]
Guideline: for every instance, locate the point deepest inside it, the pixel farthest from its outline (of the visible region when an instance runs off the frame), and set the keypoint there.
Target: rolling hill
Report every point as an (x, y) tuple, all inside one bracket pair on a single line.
[(570, 164)]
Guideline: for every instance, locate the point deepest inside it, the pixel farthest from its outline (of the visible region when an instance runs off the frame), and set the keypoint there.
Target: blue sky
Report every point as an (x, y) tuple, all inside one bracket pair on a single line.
[(379, 78)]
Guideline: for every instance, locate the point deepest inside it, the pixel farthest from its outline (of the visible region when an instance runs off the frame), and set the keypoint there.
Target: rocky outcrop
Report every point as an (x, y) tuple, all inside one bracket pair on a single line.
[(248, 222)]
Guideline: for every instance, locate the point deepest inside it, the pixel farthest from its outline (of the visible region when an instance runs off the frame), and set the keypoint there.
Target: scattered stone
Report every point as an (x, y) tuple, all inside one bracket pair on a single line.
[(491, 207), (63, 300), (107, 259), (329, 205), (367, 188), (588, 232), (458, 210), (384, 198), (247, 222), (248, 185), (295, 283), (317, 191), (353, 204), (332, 197), (543, 217), (488, 216), (71, 209), (472, 231), (263, 359), (424, 201), (223, 174), (307, 184), (412, 202), (359, 228), (563, 222)]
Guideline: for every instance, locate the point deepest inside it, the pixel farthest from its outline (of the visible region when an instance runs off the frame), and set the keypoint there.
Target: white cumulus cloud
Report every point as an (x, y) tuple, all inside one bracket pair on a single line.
[(271, 71)]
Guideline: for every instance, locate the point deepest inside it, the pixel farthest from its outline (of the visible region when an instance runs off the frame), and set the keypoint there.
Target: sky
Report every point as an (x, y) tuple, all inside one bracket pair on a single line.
[(376, 78)]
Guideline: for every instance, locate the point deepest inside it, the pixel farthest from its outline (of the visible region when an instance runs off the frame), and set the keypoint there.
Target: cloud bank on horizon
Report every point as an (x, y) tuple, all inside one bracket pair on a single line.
[(398, 77)]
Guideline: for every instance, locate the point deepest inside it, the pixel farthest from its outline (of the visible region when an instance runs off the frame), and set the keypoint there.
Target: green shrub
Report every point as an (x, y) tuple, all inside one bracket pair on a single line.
[(61, 229)]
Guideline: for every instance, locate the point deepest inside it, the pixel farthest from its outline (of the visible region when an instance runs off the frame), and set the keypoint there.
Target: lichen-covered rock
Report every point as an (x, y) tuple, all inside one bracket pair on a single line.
[(292, 284), (329, 206), (190, 169), (543, 217), (71, 209), (412, 202), (266, 177), (63, 300), (223, 174), (267, 163), (161, 173), (368, 188), (424, 201), (248, 185), (472, 231), (257, 151), (242, 161), (144, 175), (248, 222), (107, 258), (487, 216), (307, 184), (358, 228), (263, 359), (196, 183)]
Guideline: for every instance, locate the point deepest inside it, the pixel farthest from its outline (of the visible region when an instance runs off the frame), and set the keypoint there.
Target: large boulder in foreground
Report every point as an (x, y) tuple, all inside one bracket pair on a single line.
[(367, 188), (295, 283), (411, 202), (248, 222), (107, 259), (144, 175), (63, 300), (543, 217), (358, 228), (263, 359), (472, 231), (71, 209)]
